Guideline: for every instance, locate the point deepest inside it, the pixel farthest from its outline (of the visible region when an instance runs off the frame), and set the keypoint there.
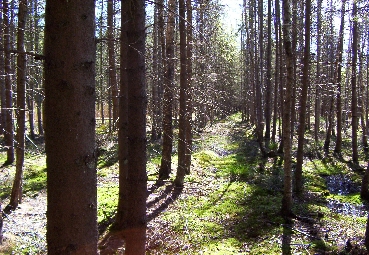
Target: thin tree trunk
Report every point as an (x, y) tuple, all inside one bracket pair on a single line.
[(112, 68), (166, 160), (303, 101), (259, 81), (354, 111), (318, 79), (155, 78), (16, 195), (9, 133), (2, 74), (181, 170), (277, 69), (268, 100), (338, 146), (189, 88), (287, 192)]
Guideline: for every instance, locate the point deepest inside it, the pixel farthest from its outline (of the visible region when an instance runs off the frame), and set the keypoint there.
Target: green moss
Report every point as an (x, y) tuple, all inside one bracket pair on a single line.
[(223, 247), (350, 198), (34, 179), (107, 200), (206, 157)]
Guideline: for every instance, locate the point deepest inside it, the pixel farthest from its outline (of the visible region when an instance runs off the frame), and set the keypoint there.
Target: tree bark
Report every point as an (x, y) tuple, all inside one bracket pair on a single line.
[(16, 195), (181, 170), (364, 192), (303, 101), (318, 78), (131, 215), (70, 127), (9, 133), (112, 68), (2, 74), (268, 100), (189, 88), (166, 157), (338, 146), (354, 111), (287, 192)]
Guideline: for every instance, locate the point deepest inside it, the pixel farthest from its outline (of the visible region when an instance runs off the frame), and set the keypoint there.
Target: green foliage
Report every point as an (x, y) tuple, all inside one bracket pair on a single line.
[(107, 199), (206, 157), (102, 129), (354, 199), (34, 179)]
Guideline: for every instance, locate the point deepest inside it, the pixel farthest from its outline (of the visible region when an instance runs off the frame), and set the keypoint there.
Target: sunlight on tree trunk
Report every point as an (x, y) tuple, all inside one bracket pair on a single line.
[(16, 195), (9, 133), (181, 170)]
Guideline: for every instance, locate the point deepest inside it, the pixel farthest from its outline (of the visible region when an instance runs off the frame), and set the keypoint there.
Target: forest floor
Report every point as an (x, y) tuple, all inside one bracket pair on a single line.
[(229, 205)]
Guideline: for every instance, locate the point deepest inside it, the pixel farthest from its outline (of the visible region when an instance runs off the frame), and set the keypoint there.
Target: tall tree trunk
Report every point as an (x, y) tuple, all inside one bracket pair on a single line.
[(70, 127), (354, 111), (2, 73), (287, 192), (131, 216), (303, 100), (189, 88), (259, 80), (181, 170), (155, 80), (268, 99), (278, 54), (9, 133), (338, 146), (16, 195), (166, 159), (318, 79), (294, 48), (112, 68)]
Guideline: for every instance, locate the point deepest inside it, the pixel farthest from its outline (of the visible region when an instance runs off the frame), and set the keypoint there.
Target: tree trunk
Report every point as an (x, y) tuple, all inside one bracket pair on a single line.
[(9, 133), (364, 192), (366, 240), (155, 78), (181, 170), (16, 195), (131, 216), (2, 74), (259, 80), (70, 127), (189, 88), (166, 157), (318, 79), (354, 111), (112, 68), (268, 99), (278, 51), (303, 101), (338, 146), (287, 192)]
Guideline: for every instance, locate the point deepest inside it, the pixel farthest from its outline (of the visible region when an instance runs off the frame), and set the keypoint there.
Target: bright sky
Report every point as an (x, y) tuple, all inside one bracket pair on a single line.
[(233, 13)]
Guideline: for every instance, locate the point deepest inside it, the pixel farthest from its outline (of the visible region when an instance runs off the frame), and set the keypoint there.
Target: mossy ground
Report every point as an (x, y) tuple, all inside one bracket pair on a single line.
[(231, 201)]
